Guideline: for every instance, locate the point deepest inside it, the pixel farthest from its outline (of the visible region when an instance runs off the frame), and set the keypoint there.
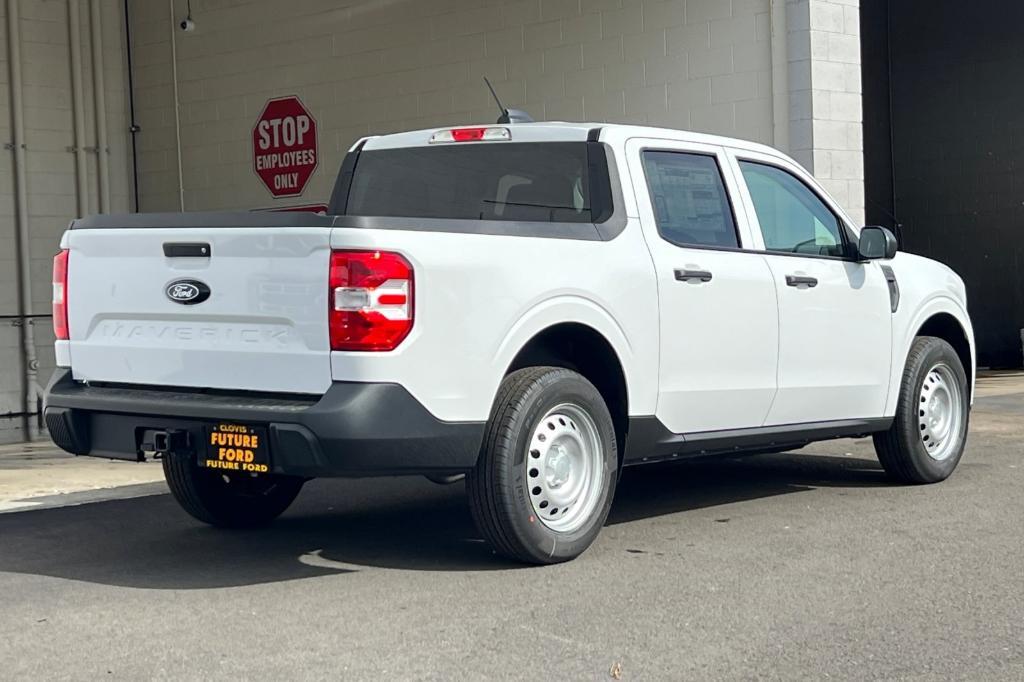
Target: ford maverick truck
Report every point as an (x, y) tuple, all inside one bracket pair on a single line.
[(530, 306)]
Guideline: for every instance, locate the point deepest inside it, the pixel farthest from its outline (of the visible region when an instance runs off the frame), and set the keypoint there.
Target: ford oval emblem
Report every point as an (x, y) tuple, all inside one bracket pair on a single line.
[(187, 291)]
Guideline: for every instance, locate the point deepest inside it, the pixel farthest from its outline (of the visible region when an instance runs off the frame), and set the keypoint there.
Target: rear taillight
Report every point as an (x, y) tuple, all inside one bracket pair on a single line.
[(60, 295), (371, 300)]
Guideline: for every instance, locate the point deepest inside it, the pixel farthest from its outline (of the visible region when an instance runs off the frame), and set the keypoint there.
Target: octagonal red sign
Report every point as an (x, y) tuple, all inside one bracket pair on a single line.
[(284, 149)]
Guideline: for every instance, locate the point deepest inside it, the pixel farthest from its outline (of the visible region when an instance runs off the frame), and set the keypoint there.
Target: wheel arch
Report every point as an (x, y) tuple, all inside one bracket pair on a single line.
[(944, 318), (581, 348), (945, 326)]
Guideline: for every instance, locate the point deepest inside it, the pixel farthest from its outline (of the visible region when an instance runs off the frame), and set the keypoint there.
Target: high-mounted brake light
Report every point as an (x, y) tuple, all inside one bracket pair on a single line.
[(471, 135), (371, 300), (60, 296)]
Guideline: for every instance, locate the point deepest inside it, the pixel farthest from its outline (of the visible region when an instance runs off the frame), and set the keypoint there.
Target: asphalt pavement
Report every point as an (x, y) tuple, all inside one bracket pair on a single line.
[(808, 565)]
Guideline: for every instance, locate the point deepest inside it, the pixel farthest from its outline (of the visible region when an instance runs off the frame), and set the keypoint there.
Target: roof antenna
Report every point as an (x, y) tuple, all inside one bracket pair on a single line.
[(508, 115)]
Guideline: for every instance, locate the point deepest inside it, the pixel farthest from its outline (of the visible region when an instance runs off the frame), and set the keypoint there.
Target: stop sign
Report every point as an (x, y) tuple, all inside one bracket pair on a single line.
[(284, 152)]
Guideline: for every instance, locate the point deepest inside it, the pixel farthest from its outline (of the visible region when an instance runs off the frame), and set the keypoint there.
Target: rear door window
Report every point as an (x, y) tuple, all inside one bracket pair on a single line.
[(690, 204), (523, 181)]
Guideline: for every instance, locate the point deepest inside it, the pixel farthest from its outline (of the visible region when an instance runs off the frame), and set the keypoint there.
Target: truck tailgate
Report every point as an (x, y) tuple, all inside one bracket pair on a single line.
[(263, 328)]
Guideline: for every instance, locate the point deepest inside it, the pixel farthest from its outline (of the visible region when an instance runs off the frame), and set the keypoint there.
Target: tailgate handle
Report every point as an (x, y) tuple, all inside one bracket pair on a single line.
[(186, 250)]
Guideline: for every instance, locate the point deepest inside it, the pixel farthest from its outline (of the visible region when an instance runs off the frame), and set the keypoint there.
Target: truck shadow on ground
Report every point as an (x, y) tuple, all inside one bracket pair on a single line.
[(347, 526)]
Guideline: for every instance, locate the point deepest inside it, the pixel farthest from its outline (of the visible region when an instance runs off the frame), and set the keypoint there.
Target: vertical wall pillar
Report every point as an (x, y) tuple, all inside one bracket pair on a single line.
[(824, 79), (78, 107)]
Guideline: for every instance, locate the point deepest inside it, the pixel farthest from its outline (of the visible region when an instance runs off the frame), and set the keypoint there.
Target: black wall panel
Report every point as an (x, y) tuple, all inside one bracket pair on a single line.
[(949, 76)]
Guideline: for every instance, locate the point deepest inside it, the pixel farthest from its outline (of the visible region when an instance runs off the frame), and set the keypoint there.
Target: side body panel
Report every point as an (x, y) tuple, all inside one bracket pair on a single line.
[(833, 342), (834, 337), (719, 337), (480, 298)]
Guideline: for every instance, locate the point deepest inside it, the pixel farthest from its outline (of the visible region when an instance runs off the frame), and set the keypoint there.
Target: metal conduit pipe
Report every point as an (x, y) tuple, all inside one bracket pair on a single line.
[(78, 107), (100, 102), (177, 108), (31, 391)]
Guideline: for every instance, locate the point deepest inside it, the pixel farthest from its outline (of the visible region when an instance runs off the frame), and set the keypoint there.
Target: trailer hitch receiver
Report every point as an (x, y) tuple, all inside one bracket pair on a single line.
[(157, 443)]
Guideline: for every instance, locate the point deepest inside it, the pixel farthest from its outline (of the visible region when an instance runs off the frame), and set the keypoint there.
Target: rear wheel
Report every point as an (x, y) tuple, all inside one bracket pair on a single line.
[(546, 476), (927, 438), (229, 500)]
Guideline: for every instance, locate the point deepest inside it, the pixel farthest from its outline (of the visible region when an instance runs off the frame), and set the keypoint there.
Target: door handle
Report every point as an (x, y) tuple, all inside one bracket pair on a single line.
[(692, 275), (800, 280)]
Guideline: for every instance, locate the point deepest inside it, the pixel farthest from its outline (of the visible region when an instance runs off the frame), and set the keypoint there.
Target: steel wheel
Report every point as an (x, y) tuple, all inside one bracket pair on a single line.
[(565, 468), (940, 412), (542, 487)]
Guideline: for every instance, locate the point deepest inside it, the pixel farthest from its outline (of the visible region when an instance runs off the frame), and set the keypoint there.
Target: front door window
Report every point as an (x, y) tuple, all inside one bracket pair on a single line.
[(793, 219)]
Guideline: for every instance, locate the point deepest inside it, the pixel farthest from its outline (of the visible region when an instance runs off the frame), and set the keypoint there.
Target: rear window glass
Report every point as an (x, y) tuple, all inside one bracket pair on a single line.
[(524, 181)]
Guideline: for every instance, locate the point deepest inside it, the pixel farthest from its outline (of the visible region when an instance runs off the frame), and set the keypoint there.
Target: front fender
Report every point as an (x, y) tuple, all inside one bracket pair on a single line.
[(905, 329)]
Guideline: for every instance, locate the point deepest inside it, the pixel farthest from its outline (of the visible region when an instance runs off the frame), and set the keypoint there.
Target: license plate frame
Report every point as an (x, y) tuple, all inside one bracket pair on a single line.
[(234, 447)]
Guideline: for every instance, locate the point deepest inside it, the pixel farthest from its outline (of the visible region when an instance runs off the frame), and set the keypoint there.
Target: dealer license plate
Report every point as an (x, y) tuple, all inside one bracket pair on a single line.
[(236, 447)]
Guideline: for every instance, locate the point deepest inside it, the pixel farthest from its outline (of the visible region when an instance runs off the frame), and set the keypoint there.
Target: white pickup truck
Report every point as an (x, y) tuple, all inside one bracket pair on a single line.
[(534, 306)]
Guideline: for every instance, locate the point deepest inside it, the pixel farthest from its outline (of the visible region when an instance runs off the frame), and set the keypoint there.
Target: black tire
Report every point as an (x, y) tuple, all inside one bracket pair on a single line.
[(901, 450), (228, 500), (498, 488)]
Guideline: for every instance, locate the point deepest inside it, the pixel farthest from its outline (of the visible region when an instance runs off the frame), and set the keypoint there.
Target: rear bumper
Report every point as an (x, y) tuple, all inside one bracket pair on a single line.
[(355, 429)]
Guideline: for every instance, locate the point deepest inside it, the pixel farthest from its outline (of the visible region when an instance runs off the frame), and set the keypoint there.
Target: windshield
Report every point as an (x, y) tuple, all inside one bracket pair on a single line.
[(526, 181)]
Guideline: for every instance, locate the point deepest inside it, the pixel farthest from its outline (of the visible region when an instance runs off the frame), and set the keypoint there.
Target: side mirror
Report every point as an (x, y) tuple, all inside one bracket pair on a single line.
[(876, 243)]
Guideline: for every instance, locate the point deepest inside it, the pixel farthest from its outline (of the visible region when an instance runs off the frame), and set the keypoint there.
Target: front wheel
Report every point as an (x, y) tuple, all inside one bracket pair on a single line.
[(546, 476), (234, 500), (927, 438)]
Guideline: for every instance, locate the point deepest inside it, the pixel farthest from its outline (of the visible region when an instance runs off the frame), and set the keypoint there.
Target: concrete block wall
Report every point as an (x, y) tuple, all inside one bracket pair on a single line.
[(376, 66), (826, 120), (50, 176)]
